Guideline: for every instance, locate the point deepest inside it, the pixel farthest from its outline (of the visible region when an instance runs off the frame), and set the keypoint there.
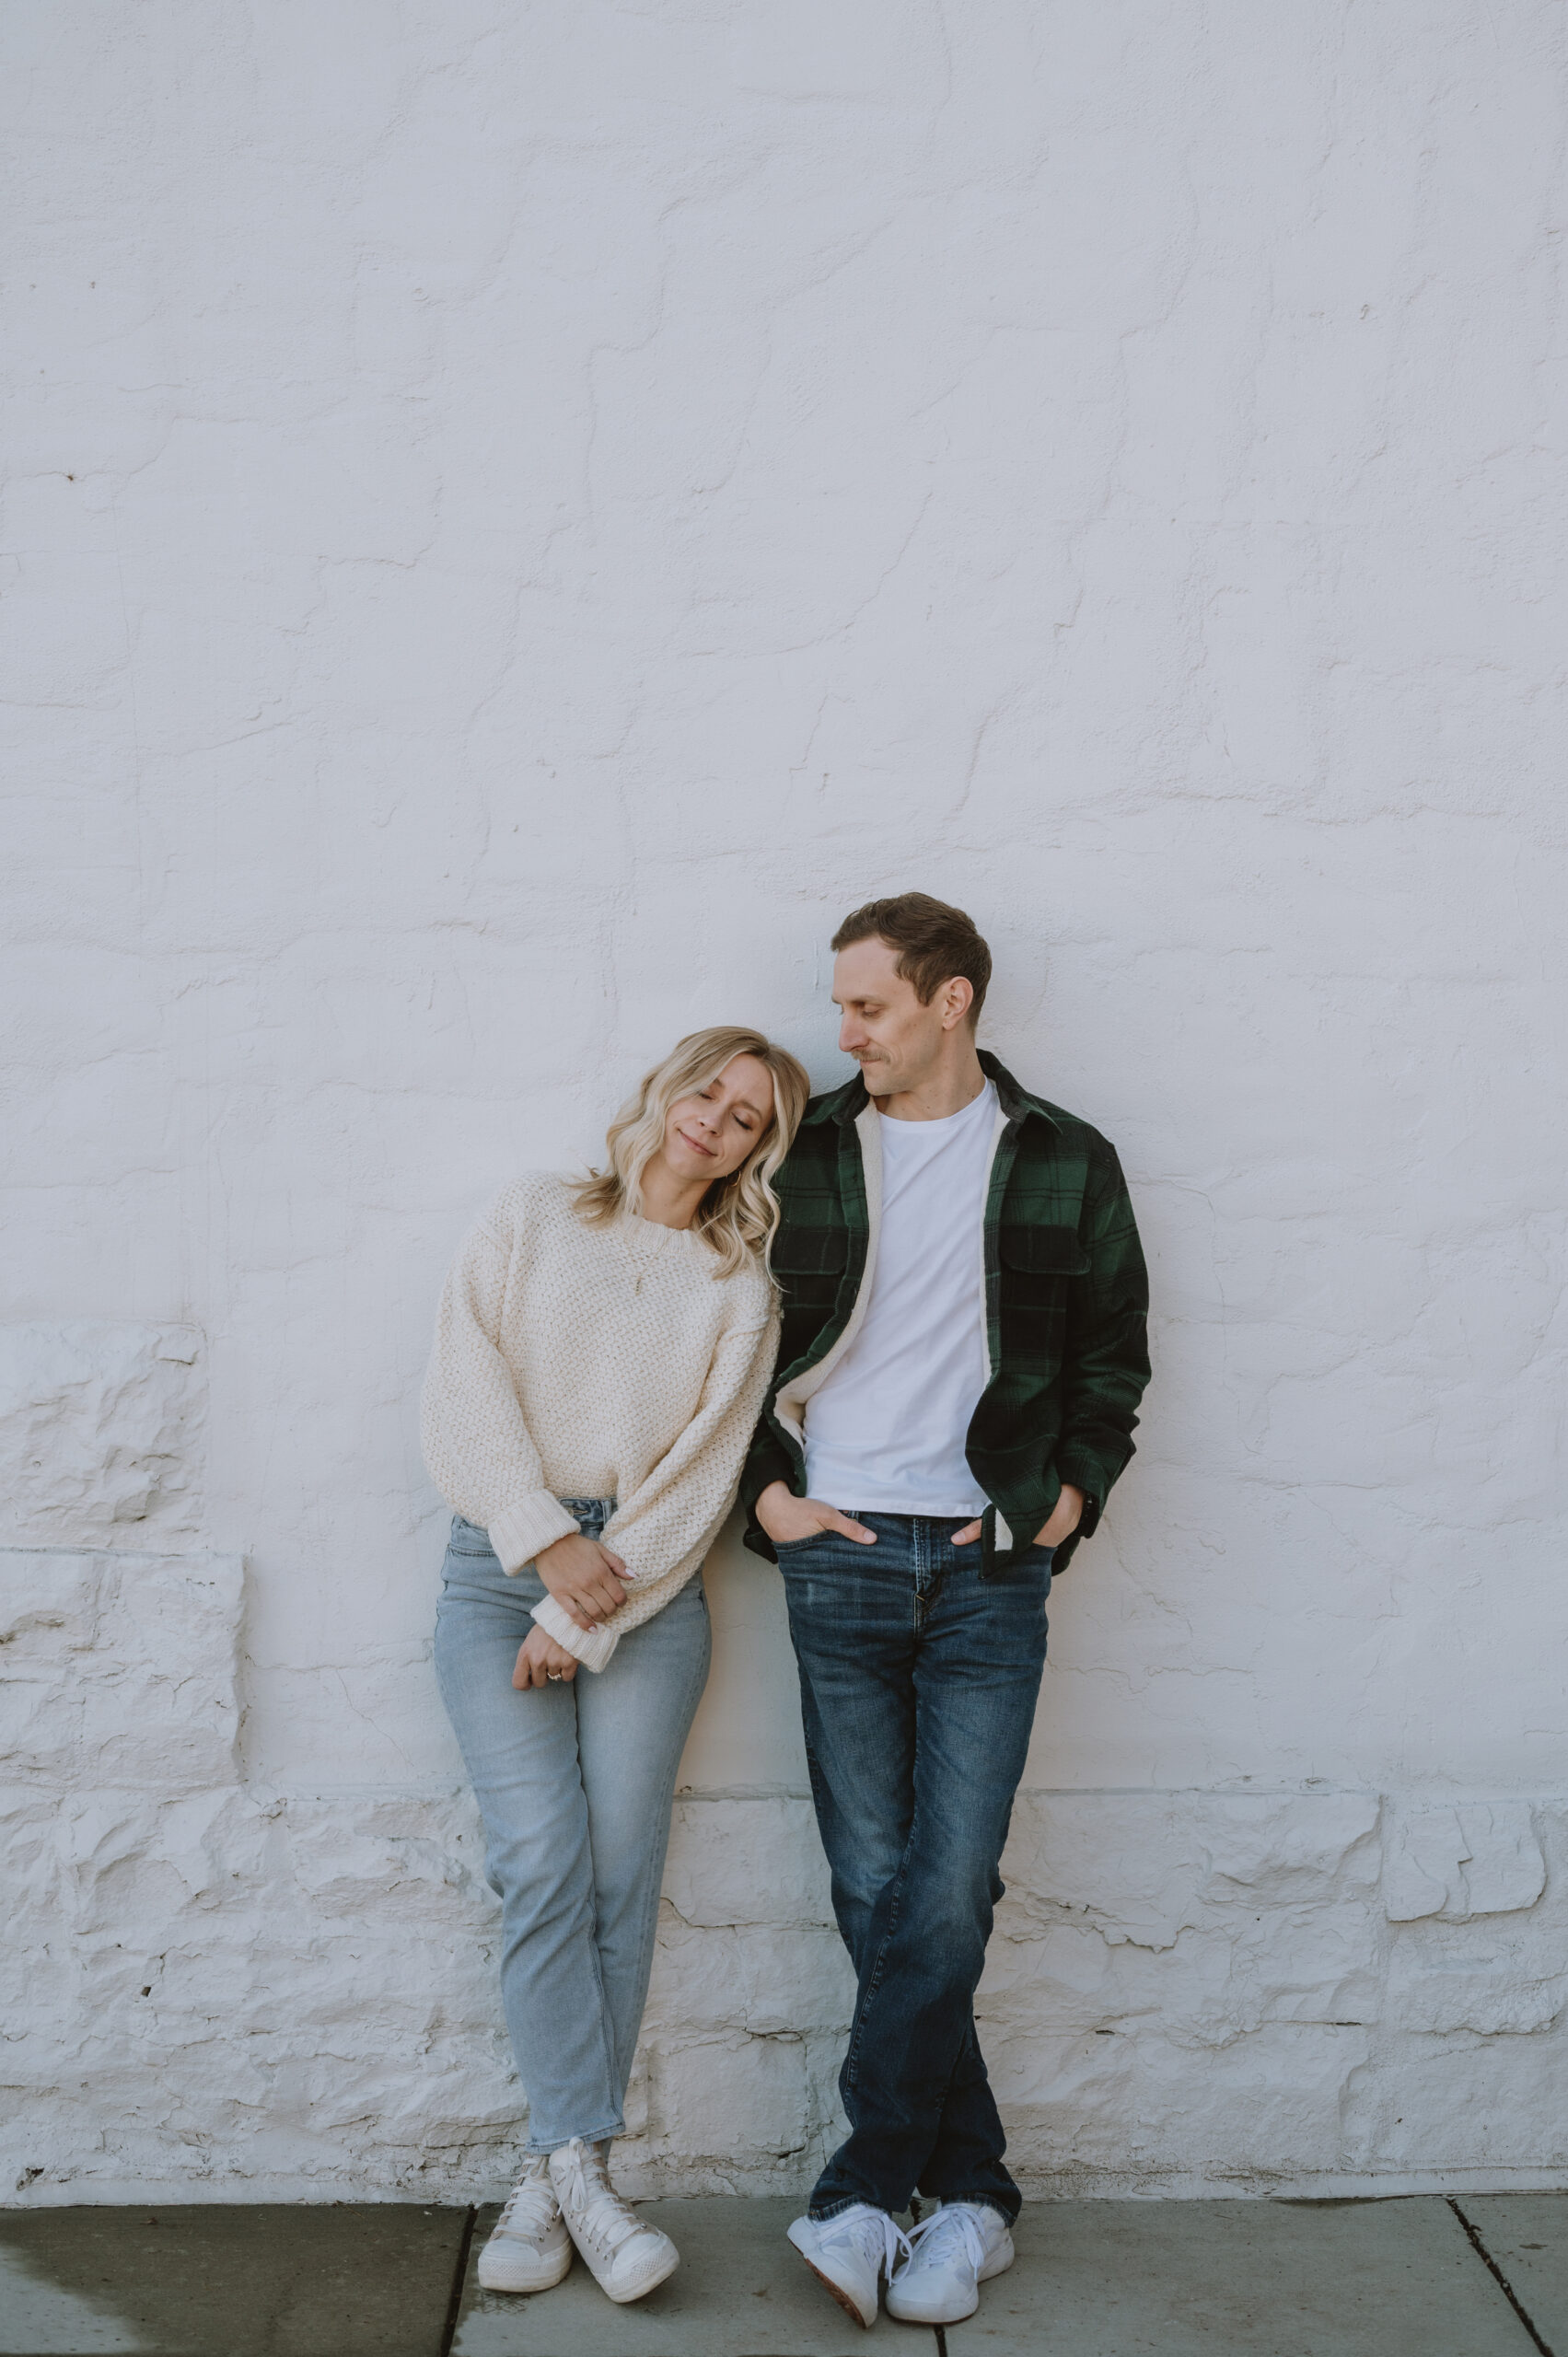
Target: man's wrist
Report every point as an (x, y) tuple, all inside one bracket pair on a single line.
[(1090, 1500), (1071, 1501), (766, 1499), (764, 1468)]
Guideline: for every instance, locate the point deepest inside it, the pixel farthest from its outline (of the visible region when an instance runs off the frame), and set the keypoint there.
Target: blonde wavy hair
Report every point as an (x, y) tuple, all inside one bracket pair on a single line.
[(739, 1213)]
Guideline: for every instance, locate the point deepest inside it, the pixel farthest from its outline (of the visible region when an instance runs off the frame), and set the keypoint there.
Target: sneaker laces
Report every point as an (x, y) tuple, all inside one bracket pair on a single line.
[(870, 2231), (601, 2212), (941, 2236), (530, 2206)]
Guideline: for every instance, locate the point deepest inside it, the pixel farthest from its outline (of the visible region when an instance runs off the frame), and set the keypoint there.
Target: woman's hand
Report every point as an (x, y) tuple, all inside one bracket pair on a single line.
[(539, 1659), (581, 1576)]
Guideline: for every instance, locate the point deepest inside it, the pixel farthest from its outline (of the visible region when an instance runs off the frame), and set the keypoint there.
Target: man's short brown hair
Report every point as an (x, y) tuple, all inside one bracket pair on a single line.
[(933, 942)]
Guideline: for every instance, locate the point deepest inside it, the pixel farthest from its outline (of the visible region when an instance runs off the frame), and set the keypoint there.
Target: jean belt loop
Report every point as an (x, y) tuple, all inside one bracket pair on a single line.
[(590, 1514)]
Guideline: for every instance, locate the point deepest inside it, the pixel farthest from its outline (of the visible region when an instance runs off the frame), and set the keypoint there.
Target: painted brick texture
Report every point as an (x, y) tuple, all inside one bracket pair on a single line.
[(511, 522)]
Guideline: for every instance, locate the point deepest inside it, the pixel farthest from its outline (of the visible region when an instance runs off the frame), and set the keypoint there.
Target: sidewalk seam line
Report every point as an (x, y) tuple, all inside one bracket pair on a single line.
[(460, 2277), (1508, 2289)]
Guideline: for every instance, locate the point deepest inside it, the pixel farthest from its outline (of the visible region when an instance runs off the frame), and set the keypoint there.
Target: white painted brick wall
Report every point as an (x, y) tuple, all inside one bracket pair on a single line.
[(513, 521), (100, 1433)]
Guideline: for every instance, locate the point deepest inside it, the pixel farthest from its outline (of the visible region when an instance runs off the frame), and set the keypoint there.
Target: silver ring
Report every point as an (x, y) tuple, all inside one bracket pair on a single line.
[(555, 1676)]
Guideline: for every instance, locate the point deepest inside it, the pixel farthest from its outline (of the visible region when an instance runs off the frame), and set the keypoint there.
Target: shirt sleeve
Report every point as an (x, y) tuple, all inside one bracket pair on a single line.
[(477, 1445), (1107, 1361), (664, 1529)]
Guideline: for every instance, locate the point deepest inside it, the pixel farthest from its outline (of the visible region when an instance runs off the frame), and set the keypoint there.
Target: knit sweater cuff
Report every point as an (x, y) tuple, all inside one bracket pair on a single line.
[(520, 1533), (593, 1648)]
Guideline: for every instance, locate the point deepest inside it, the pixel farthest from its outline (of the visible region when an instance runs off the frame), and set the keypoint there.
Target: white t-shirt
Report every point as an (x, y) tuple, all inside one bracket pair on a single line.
[(887, 1429)]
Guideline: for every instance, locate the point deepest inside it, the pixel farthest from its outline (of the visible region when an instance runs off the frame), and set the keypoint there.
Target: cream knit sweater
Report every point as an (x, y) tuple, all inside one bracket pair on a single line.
[(595, 1363)]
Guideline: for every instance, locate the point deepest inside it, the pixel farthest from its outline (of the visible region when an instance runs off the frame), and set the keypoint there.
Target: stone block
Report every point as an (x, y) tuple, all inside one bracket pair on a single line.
[(703, 2090), (1146, 1866), (1465, 2102), (746, 1977), (747, 1861), (1265, 2107), (1479, 1859), (1217, 1982), (1192, 1966), (387, 1857), (220, 2004), (120, 1667), (1501, 1974), (101, 1433), (1216, 1911), (1494, 1993)]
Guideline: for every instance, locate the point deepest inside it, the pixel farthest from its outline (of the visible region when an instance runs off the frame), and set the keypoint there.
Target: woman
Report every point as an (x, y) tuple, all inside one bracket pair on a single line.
[(601, 1354)]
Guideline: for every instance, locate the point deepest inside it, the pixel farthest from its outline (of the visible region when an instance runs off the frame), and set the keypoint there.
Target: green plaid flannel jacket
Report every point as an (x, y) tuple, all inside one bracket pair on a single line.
[(1066, 1304)]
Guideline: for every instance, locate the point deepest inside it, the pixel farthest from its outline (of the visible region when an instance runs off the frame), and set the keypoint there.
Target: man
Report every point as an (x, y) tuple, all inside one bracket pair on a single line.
[(962, 1357)]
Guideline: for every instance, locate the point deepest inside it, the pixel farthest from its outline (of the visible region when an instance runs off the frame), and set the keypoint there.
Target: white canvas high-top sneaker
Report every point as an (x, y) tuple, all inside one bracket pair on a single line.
[(529, 2249), (627, 2257)]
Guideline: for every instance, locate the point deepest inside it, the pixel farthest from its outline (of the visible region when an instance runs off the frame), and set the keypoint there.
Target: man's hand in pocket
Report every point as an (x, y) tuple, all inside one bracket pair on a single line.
[(1065, 1517), (784, 1516)]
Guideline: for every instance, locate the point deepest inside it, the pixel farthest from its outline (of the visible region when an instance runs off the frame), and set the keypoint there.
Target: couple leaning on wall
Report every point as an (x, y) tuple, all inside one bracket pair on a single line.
[(906, 1320)]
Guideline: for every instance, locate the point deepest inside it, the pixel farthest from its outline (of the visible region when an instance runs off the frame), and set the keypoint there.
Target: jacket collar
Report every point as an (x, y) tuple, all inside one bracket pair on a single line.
[(846, 1104)]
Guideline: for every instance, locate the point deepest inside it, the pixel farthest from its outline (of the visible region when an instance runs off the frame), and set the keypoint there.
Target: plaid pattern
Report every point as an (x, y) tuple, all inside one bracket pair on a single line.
[(1066, 1306)]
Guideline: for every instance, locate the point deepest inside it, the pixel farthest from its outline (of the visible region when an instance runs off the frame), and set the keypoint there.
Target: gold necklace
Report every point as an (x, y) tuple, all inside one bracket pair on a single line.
[(638, 1266)]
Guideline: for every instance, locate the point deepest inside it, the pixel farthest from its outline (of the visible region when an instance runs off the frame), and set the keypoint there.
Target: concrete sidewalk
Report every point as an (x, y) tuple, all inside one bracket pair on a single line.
[(1484, 2276)]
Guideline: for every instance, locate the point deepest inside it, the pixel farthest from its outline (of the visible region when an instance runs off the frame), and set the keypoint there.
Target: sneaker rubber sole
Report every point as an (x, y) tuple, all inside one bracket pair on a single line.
[(503, 2270), (657, 2274), (498, 2275), (837, 2290)]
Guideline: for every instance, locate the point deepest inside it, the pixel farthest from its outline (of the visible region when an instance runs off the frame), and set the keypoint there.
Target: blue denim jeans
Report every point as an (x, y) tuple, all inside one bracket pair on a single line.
[(575, 1784), (918, 1684)]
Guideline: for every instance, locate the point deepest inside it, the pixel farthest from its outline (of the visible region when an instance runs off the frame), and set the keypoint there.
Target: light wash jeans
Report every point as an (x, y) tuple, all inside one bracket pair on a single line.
[(575, 1782)]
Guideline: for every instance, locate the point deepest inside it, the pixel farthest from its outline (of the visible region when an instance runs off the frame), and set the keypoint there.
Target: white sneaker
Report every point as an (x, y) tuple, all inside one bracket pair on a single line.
[(530, 2249), (848, 2253), (952, 2253), (627, 2257)]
